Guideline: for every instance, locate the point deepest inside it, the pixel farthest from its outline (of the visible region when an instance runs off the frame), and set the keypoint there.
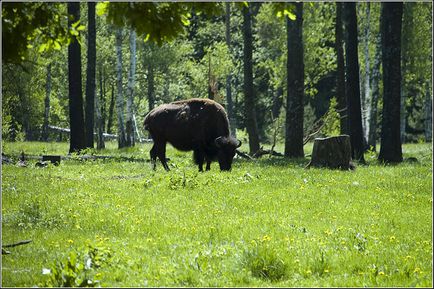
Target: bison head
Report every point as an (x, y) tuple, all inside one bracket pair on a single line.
[(226, 151)]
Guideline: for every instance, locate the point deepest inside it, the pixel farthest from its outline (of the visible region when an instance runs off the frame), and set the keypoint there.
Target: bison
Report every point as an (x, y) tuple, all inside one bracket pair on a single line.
[(196, 124)]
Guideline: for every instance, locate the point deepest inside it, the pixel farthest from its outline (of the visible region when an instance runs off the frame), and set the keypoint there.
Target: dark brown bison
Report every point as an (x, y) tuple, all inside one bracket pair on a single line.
[(196, 124)]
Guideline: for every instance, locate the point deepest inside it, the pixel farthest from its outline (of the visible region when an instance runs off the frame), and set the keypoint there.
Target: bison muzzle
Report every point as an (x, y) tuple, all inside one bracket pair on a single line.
[(196, 124)]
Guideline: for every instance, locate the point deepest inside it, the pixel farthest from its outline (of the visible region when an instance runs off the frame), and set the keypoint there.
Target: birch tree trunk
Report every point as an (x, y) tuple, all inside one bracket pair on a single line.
[(367, 91), (119, 95), (130, 141), (99, 113), (230, 107), (47, 104)]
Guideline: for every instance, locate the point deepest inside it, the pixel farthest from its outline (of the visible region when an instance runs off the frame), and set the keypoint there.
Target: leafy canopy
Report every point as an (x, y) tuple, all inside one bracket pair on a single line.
[(29, 25)]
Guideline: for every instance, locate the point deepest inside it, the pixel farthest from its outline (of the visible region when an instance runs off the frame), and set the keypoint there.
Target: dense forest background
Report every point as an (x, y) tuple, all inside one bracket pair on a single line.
[(136, 69)]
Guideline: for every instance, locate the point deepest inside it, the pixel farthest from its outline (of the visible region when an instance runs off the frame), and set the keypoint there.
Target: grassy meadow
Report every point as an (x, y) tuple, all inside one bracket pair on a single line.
[(267, 223)]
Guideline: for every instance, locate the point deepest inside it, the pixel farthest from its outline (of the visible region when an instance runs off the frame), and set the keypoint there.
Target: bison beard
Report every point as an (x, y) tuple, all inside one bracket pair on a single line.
[(197, 124)]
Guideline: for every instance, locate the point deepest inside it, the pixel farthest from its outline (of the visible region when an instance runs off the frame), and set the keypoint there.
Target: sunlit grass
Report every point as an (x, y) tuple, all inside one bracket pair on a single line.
[(266, 223)]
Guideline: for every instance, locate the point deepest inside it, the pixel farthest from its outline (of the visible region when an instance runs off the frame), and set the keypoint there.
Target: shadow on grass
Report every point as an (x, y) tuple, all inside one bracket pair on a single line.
[(276, 161)]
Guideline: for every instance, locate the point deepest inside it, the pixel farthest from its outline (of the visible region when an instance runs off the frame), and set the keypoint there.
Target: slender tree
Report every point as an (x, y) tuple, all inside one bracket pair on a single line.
[(111, 111), (352, 84), (76, 114), (44, 136), (295, 85), (99, 108), (151, 86), (375, 96), (119, 95), (391, 23), (230, 107), (428, 112), (130, 141), (249, 97), (340, 79), (90, 75), (366, 96)]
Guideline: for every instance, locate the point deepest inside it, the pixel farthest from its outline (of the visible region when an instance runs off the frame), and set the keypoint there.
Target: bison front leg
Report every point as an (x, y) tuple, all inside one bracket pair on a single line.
[(208, 164), (159, 150), (199, 156)]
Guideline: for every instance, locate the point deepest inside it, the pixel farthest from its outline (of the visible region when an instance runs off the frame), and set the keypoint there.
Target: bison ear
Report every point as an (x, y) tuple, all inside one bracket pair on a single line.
[(218, 141), (239, 143)]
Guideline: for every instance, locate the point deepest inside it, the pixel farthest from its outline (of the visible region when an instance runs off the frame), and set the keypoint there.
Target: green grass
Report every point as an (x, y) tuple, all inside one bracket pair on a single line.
[(267, 223)]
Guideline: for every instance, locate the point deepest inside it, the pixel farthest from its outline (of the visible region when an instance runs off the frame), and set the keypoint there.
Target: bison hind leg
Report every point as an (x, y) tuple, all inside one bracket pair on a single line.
[(153, 155)]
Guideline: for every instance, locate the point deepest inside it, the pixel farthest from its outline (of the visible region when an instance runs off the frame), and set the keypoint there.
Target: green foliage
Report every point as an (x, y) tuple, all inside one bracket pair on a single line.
[(39, 25), (159, 22), (332, 125), (79, 268), (318, 40)]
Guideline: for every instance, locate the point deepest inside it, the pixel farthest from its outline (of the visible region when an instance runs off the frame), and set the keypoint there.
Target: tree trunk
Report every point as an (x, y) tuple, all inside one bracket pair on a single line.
[(402, 119), (76, 114), (391, 21), (406, 60), (151, 87), (111, 111), (375, 82), (210, 78), (352, 84), (90, 75), (295, 85), (277, 102), (119, 96), (230, 107), (99, 112), (332, 152), (103, 99), (130, 141), (340, 79), (44, 136), (367, 84), (249, 97), (428, 112)]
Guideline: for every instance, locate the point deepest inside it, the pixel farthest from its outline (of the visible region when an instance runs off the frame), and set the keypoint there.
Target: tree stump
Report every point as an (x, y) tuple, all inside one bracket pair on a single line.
[(332, 152)]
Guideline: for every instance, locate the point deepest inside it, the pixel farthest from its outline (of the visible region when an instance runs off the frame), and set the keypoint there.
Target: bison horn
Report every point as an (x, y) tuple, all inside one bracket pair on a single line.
[(239, 143), (218, 141)]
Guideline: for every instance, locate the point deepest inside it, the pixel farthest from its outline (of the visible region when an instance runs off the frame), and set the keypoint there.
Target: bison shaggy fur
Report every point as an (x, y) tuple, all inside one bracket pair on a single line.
[(196, 124)]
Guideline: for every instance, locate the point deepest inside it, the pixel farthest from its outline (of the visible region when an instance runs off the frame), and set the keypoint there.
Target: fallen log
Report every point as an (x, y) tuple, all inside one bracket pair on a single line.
[(244, 155), (105, 135), (262, 152), (5, 252), (17, 244)]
